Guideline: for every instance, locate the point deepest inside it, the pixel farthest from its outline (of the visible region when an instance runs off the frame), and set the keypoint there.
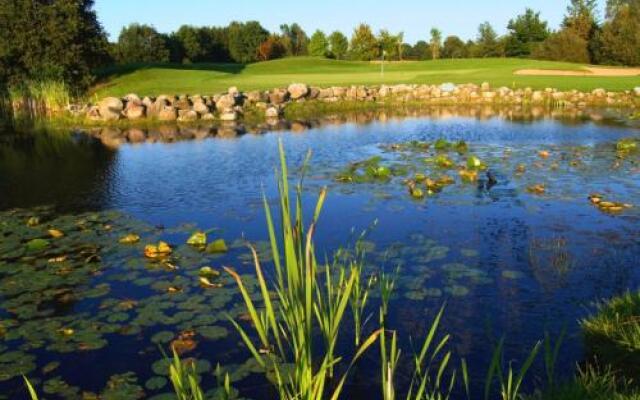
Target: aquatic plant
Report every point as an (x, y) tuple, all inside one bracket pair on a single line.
[(430, 365), (510, 382), (302, 304), (184, 379)]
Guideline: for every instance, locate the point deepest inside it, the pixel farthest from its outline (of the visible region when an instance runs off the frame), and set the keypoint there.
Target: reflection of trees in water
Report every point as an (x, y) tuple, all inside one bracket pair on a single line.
[(68, 170), (550, 262)]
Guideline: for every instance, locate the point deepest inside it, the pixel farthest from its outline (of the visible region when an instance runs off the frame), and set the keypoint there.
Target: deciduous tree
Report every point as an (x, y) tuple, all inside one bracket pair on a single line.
[(318, 45)]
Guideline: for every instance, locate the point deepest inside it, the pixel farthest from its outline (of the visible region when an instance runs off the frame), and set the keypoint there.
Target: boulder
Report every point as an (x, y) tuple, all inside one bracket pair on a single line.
[(272, 112), (278, 96), (485, 87), (208, 117), (338, 91), (314, 92), (132, 98), (325, 93), (447, 87), (298, 90), (636, 91), (233, 91), (537, 96), (201, 108), (226, 102), (229, 116), (168, 113), (93, 113), (255, 97), (599, 92), (134, 111), (110, 108), (187, 115)]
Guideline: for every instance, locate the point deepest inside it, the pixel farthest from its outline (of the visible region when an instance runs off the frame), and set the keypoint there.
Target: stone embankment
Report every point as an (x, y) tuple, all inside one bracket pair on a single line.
[(233, 104)]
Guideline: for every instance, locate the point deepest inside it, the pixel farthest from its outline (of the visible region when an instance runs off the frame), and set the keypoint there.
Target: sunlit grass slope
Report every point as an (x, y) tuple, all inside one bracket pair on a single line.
[(212, 78)]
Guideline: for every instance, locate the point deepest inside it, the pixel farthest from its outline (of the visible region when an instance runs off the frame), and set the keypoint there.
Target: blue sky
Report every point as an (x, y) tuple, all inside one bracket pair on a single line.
[(414, 17)]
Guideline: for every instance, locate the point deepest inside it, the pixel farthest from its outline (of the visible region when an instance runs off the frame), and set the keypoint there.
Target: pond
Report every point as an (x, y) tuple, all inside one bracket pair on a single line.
[(515, 252)]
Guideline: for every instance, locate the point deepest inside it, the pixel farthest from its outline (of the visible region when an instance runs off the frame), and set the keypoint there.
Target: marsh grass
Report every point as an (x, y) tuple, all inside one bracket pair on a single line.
[(306, 299), (509, 380), (40, 98), (612, 333)]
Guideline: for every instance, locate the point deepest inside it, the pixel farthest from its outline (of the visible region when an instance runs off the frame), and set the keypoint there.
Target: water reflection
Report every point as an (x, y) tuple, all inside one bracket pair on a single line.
[(53, 168), (114, 137)]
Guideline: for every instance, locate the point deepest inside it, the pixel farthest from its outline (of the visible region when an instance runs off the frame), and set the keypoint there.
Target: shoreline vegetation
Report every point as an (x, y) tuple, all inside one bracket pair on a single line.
[(297, 317)]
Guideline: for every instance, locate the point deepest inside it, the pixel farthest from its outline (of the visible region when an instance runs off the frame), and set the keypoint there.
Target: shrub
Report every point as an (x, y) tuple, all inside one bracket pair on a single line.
[(565, 45)]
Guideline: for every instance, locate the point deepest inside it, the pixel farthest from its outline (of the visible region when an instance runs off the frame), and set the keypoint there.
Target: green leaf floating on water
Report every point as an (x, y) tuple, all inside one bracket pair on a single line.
[(197, 239), (217, 246), (37, 245), (156, 383)]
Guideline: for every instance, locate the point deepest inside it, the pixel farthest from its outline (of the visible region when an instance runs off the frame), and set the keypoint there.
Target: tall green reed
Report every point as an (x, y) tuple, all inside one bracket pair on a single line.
[(510, 382), (303, 304)]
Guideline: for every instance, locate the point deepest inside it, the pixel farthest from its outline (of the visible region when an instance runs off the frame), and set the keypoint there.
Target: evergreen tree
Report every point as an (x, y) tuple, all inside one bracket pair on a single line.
[(245, 40), (295, 39), (487, 43), (525, 31)]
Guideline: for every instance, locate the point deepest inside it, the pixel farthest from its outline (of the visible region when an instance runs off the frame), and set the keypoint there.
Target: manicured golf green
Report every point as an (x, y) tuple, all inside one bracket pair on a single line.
[(213, 78)]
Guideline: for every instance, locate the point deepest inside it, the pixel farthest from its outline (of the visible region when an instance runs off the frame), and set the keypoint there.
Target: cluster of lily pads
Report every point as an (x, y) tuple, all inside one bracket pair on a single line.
[(73, 283), (431, 177), (426, 169)]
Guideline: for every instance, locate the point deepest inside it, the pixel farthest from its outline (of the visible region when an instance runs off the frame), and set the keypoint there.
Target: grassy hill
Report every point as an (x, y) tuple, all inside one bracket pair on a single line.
[(212, 78)]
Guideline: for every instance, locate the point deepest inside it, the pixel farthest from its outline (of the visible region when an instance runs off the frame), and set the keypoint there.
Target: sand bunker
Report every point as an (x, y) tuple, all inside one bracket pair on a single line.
[(588, 71)]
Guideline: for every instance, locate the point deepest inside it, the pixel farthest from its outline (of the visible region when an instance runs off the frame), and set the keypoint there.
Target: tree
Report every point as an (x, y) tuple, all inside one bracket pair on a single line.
[(435, 43), (364, 45), (141, 44), (421, 50), (614, 6), (581, 18), (339, 45), (318, 45), (245, 39), (619, 40), (271, 48), (525, 31), (193, 43), (487, 43), (565, 45), (391, 44), (454, 47), (50, 40), (295, 39)]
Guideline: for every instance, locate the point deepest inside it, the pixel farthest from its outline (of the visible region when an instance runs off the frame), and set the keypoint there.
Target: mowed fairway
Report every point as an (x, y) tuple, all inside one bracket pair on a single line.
[(213, 78)]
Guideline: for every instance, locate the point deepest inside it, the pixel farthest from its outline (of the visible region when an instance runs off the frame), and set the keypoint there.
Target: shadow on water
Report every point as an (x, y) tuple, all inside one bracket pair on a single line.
[(53, 168)]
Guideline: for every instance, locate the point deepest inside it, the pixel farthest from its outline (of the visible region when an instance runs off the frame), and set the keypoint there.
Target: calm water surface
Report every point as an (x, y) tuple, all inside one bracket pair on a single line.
[(506, 262)]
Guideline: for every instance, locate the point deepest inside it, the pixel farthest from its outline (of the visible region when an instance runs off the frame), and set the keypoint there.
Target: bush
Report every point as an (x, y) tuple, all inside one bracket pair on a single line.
[(619, 40), (565, 45)]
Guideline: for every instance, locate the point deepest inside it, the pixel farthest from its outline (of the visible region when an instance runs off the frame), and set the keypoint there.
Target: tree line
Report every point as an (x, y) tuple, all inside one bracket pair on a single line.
[(63, 40)]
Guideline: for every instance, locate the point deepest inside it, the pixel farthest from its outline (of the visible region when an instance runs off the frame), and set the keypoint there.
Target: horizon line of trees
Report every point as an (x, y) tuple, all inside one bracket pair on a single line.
[(63, 40)]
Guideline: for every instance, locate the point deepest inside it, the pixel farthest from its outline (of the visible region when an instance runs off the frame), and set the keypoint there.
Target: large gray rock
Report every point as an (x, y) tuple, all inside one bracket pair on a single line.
[(110, 108), (298, 90)]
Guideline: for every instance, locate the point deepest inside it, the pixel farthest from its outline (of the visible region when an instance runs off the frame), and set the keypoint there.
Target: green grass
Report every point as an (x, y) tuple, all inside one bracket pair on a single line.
[(212, 78)]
